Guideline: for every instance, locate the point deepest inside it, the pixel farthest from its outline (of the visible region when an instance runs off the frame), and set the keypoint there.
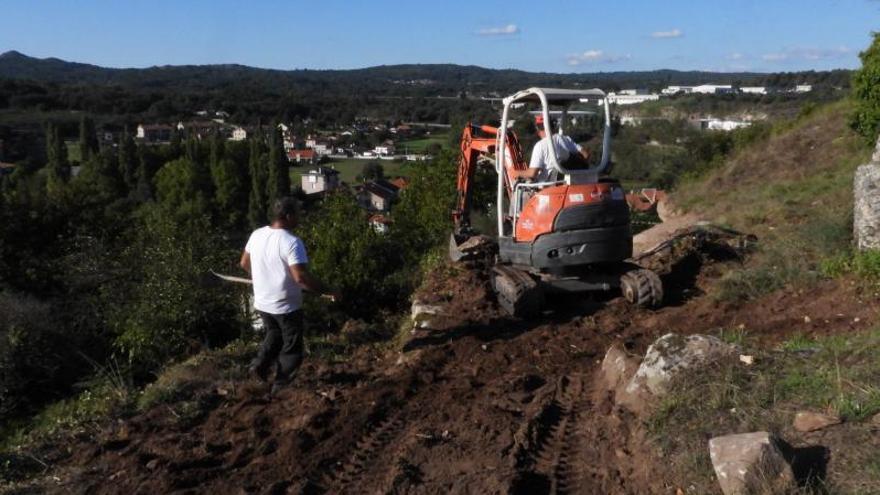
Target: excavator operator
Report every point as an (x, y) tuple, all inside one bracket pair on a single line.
[(539, 165)]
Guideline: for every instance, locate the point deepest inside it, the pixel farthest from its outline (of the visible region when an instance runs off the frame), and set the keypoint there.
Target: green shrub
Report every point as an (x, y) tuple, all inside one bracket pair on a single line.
[(866, 91)]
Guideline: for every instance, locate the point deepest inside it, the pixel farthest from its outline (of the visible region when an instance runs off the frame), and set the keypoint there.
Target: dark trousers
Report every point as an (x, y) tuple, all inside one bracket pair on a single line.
[(282, 346)]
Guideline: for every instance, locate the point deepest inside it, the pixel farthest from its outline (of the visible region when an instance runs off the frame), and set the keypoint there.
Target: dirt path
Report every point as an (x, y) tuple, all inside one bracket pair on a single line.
[(484, 404)]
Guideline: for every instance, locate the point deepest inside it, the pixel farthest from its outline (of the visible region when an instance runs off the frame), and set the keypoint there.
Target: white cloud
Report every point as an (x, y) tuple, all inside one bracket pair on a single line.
[(672, 33), (507, 30), (595, 57), (736, 56), (774, 57), (807, 54)]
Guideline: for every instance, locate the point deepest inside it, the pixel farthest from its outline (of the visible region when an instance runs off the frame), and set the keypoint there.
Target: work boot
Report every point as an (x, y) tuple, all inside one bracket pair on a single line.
[(278, 386), (260, 373)]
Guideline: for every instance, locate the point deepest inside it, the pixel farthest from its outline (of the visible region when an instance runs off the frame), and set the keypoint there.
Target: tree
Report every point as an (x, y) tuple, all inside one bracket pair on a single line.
[(230, 188), (278, 183), (128, 161), (257, 204), (866, 91), (88, 139), (179, 193), (57, 167), (372, 171)]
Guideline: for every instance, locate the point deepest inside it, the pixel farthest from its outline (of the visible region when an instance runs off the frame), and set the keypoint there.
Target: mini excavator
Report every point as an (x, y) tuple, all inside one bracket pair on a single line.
[(570, 233)]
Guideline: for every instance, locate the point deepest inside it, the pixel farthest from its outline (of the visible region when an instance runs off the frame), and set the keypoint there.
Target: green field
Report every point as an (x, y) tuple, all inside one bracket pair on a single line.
[(348, 169), (419, 145)]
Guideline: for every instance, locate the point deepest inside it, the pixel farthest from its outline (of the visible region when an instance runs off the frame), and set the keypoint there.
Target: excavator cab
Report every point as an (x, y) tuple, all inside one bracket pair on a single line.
[(570, 232)]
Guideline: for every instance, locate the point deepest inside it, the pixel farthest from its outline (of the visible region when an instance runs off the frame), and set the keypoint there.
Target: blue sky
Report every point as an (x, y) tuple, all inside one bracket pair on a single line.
[(552, 36)]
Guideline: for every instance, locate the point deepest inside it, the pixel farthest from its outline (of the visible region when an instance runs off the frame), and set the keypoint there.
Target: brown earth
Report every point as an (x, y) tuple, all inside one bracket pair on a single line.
[(483, 404)]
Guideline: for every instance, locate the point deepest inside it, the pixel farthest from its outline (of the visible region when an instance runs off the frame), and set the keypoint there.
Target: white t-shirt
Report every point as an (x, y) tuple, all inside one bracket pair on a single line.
[(272, 251), (564, 145)]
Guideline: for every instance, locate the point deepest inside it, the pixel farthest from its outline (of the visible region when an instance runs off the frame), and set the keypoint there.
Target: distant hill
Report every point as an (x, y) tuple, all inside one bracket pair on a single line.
[(422, 79)]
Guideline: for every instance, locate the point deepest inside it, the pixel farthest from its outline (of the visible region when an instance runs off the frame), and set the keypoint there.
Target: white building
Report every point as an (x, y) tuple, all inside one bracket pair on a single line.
[(754, 90), (713, 89), (384, 149), (803, 88), (239, 134), (631, 98), (322, 148), (674, 90)]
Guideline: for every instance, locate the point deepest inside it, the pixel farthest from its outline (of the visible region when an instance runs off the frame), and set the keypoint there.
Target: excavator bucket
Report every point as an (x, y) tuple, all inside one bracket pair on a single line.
[(465, 248)]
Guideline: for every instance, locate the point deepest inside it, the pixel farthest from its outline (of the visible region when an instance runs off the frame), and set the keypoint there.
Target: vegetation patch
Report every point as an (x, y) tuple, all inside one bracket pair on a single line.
[(837, 375)]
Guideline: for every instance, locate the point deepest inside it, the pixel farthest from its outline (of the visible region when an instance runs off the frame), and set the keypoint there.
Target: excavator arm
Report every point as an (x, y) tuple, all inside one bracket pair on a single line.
[(480, 141)]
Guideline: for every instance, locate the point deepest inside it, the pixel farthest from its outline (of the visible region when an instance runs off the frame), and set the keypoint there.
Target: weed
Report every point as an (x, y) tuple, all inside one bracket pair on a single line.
[(799, 343), (735, 336)]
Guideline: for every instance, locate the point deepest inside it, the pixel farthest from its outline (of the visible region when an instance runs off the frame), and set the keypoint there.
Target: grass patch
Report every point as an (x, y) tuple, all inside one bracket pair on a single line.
[(839, 374), (864, 265)]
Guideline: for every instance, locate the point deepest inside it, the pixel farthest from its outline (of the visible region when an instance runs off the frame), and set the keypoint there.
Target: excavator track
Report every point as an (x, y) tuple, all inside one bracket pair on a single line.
[(518, 293)]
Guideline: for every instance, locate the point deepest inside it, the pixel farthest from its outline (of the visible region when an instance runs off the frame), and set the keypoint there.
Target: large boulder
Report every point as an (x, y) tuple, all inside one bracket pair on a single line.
[(866, 214), (750, 463), (673, 354)]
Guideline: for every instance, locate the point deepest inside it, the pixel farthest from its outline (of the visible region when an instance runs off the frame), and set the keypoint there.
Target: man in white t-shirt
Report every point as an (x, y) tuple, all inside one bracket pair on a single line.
[(539, 165), (278, 264)]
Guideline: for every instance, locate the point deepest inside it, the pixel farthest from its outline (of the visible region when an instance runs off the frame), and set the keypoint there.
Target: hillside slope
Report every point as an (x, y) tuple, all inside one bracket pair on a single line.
[(481, 403)]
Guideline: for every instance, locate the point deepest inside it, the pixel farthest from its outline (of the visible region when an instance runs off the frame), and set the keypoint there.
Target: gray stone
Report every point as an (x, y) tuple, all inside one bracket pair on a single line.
[(423, 315), (673, 354), (750, 463), (866, 213)]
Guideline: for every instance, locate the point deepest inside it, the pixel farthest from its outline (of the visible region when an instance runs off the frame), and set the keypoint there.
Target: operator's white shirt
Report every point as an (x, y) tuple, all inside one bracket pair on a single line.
[(272, 251), (564, 145)]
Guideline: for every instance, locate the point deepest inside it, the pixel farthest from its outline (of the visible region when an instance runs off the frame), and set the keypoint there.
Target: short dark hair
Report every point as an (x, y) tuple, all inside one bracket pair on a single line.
[(284, 206)]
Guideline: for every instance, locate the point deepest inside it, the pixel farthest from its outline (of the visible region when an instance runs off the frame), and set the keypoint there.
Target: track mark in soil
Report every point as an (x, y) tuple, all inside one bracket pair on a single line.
[(548, 466), (365, 453)]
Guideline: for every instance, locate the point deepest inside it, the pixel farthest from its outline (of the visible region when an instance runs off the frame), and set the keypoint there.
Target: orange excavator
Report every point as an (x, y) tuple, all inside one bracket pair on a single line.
[(569, 233)]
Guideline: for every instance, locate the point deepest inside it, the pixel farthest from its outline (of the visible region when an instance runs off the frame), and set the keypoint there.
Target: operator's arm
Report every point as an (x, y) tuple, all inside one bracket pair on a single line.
[(245, 262), (306, 280), (529, 173), (536, 163)]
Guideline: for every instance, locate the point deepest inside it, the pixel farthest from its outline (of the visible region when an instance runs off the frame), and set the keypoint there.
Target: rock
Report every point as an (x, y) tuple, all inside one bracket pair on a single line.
[(750, 463), (805, 421), (617, 368), (423, 315), (866, 213), (672, 354), (747, 359), (876, 420)]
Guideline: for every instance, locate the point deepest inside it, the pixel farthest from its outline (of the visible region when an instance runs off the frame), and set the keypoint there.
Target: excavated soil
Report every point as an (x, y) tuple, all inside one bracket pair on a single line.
[(482, 404)]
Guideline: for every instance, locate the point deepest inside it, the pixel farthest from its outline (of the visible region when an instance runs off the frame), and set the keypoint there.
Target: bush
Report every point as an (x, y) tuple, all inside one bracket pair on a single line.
[(866, 91), (175, 307)]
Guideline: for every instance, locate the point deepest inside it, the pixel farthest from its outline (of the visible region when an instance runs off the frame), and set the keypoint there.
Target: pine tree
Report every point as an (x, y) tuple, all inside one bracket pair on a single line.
[(278, 184), (57, 167), (257, 204), (128, 161), (88, 139)]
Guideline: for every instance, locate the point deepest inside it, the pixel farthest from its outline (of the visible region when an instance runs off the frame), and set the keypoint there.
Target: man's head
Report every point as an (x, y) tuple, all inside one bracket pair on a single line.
[(539, 125), (284, 211)]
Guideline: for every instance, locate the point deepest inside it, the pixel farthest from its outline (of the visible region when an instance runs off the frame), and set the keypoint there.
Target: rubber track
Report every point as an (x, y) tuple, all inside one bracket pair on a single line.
[(513, 292)]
